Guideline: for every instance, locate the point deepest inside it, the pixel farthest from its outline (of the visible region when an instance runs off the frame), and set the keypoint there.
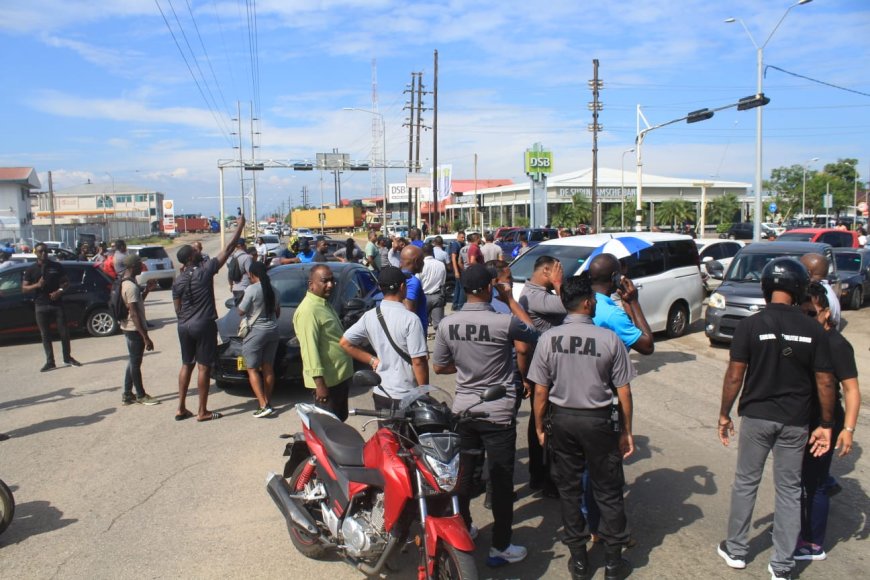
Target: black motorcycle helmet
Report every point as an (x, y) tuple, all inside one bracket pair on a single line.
[(786, 275), (429, 416)]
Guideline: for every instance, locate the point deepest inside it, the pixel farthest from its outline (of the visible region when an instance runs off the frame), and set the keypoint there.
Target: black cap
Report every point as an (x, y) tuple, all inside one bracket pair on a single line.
[(390, 278), (475, 278)]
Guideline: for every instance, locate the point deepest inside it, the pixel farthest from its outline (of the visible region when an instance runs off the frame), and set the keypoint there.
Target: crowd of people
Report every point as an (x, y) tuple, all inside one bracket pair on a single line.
[(564, 346)]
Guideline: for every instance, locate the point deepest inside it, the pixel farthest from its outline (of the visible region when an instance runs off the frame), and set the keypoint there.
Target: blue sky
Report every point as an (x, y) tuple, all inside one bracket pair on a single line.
[(102, 93)]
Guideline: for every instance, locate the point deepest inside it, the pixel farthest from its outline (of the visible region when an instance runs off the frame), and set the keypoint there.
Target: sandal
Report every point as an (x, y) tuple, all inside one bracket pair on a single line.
[(213, 417), (186, 415)]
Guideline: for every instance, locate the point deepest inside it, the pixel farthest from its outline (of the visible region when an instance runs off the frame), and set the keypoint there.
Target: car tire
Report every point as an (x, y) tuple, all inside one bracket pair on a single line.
[(856, 298), (100, 322), (166, 283), (224, 385), (678, 320), (718, 343), (732, 237)]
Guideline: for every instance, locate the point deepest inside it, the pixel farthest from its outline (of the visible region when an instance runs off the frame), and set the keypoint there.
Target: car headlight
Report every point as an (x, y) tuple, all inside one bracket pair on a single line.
[(446, 474), (844, 285), (716, 301)]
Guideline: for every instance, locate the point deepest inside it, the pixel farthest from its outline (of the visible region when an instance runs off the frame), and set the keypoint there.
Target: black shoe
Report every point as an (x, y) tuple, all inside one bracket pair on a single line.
[(48, 367), (72, 362), (128, 399), (578, 565), (615, 566)]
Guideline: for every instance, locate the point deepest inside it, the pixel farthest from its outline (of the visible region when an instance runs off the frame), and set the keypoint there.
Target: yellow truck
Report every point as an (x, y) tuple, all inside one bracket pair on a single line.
[(343, 218)]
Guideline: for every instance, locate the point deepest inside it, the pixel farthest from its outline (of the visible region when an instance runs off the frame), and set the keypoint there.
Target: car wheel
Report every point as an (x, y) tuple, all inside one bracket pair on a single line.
[(732, 237), (678, 321), (166, 283), (718, 343), (100, 322), (856, 298)]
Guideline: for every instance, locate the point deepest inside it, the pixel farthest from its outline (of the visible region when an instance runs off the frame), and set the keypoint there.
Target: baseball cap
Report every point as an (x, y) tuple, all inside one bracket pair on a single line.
[(475, 278), (132, 260), (390, 278)]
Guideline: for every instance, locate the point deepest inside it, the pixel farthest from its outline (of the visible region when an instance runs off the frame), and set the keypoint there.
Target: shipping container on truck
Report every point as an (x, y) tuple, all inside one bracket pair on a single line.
[(333, 218), (191, 224)]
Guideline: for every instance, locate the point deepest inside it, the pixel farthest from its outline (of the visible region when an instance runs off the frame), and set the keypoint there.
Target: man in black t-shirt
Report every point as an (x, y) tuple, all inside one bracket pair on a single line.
[(781, 359), (48, 280), (193, 297)]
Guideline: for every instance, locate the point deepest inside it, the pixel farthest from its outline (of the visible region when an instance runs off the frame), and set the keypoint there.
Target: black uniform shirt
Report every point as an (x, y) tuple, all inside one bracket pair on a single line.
[(195, 288), (53, 273), (780, 388)]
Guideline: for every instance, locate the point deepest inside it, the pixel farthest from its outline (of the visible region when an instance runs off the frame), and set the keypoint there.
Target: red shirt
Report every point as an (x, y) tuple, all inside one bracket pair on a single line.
[(475, 256)]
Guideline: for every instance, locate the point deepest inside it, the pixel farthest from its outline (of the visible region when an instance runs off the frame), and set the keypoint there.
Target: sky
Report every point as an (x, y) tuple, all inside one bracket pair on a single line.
[(145, 91)]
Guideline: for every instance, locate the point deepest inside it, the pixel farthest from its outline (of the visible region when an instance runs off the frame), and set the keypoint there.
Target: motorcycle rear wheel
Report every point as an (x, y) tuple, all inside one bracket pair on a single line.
[(453, 564), (7, 506), (308, 546)]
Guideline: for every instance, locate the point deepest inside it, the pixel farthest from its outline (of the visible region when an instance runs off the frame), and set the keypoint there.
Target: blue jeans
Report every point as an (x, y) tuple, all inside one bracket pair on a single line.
[(133, 375), (458, 296)]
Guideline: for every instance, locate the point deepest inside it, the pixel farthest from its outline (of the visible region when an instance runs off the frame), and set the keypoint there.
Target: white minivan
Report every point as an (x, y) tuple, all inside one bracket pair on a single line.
[(667, 275)]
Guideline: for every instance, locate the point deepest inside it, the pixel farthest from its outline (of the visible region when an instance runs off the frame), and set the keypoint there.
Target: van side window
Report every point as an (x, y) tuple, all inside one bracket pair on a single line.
[(649, 262)]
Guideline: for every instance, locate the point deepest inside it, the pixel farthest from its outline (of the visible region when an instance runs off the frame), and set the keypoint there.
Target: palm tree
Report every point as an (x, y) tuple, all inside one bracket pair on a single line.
[(674, 212), (613, 217), (723, 209), (569, 215)]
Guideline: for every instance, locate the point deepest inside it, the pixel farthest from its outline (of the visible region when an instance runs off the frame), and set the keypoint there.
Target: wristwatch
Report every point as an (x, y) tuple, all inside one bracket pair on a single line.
[(849, 429)]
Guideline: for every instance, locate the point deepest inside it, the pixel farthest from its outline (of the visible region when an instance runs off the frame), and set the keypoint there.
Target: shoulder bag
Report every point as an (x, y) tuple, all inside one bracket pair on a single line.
[(247, 322), (405, 356)]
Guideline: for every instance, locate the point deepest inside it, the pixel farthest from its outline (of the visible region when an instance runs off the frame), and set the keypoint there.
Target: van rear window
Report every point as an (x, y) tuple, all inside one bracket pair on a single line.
[(153, 253)]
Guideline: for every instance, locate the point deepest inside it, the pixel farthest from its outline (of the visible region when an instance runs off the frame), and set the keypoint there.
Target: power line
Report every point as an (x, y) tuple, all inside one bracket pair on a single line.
[(207, 58), (814, 80)]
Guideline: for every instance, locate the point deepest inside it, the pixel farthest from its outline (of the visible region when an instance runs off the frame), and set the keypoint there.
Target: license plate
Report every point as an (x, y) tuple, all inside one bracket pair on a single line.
[(240, 363), (161, 267)]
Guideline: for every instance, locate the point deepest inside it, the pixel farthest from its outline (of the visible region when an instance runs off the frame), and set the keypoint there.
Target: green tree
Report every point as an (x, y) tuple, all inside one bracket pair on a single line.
[(786, 184), (674, 212), (723, 209), (579, 211), (840, 177), (613, 216)]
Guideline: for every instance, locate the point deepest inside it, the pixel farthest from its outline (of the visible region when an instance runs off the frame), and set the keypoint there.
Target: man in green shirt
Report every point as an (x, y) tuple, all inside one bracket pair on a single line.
[(326, 368), (373, 255)]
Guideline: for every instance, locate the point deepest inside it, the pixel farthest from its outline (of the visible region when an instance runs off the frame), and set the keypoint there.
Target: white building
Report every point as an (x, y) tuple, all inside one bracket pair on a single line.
[(16, 185), (99, 202)]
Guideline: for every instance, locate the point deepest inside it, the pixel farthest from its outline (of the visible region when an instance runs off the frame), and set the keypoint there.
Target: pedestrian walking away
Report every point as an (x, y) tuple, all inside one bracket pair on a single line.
[(575, 369), (415, 300), (395, 334), (237, 273), (135, 330), (260, 310), (816, 471), (48, 281), (477, 345), (780, 360), (454, 250), (432, 278), (193, 299), (326, 368)]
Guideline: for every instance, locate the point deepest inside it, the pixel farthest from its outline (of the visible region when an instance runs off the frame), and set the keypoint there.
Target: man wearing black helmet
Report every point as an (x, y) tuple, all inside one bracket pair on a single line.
[(780, 358)]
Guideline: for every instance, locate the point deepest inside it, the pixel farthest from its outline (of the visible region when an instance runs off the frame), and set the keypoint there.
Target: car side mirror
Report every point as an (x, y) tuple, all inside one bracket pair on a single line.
[(366, 379), (492, 393), (706, 259), (715, 269)]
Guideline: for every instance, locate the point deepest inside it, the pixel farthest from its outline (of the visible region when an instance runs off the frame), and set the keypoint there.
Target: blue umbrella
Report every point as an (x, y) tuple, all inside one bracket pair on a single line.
[(621, 247)]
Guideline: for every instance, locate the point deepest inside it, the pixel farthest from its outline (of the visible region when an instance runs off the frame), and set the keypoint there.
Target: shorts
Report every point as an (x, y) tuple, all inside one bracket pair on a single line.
[(198, 343), (260, 346)]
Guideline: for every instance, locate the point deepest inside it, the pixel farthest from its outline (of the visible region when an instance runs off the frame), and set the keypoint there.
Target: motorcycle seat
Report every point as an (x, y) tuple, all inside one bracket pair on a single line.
[(343, 443)]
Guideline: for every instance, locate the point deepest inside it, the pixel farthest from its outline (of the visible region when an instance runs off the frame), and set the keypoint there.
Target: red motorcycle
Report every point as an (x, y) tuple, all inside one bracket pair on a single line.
[(364, 500)]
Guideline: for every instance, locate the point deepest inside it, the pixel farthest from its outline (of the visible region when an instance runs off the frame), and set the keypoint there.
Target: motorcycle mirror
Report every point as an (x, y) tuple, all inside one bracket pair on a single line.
[(366, 379), (493, 393)]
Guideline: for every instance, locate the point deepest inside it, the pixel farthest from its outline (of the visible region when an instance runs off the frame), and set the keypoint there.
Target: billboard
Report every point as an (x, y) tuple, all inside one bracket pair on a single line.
[(168, 216)]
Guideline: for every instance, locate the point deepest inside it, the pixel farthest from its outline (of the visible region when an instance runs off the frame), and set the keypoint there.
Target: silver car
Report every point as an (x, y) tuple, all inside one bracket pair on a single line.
[(158, 263)]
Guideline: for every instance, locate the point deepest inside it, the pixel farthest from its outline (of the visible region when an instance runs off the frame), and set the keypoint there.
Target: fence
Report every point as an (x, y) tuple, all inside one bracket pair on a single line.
[(68, 234)]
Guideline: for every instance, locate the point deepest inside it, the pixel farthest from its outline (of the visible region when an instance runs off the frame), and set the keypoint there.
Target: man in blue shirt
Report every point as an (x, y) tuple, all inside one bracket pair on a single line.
[(628, 322), (306, 254), (415, 300)]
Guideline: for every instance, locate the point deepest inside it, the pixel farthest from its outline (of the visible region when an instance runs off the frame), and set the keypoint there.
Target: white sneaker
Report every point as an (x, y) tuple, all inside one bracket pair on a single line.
[(510, 555), (473, 532)]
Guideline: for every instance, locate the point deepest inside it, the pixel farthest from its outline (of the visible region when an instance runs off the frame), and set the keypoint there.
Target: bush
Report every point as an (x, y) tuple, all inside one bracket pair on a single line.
[(458, 224), (723, 228)]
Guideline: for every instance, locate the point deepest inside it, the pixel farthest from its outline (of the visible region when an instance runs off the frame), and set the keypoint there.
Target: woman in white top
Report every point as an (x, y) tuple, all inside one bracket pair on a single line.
[(261, 307), (261, 250)]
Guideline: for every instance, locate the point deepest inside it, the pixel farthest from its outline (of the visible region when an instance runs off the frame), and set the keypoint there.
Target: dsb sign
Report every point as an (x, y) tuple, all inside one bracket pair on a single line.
[(539, 161)]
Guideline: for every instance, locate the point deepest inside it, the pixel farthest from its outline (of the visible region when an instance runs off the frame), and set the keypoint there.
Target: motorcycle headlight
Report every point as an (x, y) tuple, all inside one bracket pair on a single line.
[(716, 301), (446, 474)]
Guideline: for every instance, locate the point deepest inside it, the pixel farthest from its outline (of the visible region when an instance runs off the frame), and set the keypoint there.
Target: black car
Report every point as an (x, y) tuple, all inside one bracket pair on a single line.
[(356, 291), (854, 268), (510, 242), (86, 301), (745, 231)]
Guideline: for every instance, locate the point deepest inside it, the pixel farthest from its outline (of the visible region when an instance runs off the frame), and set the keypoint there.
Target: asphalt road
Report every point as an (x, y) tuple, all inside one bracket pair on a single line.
[(105, 491)]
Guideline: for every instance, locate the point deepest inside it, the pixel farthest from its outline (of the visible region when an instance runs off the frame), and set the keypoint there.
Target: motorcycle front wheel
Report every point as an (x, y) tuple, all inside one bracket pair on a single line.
[(7, 506), (307, 545), (453, 564)]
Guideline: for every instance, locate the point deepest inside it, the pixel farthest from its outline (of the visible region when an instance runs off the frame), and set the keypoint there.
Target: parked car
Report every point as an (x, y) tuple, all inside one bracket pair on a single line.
[(777, 229), (836, 238), (56, 254), (511, 240), (285, 231), (158, 265), (85, 302), (853, 266), (356, 291), (501, 232), (746, 231), (712, 250), (667, 274), (273, 245), (739, 294)]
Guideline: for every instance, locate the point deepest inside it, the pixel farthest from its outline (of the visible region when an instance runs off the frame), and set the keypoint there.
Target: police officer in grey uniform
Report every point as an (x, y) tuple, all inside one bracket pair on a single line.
[(476, 343), (540, 298), (575, 368)]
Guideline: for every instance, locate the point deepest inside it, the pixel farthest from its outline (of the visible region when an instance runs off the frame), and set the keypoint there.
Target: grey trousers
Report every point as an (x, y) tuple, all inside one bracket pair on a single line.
[(757, 439), (435, 309)]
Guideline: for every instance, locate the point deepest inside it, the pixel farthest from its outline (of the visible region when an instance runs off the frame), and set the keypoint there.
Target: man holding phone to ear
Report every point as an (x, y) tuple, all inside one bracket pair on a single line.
[(628, 322)]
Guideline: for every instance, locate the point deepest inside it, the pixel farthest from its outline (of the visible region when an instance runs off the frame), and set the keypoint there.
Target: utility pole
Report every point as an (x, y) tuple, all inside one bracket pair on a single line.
[(435, 214), (51, 204), (253, 173), (336, 172), (595, 106), (238, 119), (411, 125), (417, 148)]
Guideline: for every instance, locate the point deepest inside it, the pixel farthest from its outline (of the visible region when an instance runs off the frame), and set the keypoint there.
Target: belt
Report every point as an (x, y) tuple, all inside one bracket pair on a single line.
[(603, 412)]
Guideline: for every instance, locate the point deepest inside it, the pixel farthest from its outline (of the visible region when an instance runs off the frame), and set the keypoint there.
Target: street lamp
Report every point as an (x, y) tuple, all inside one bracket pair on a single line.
[(384, 160), (622, 191), (804, 196), (756, 233), (105, 214)]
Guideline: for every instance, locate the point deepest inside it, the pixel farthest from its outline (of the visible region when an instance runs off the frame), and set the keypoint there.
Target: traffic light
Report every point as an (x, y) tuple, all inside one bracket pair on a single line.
[(699, 115), (479, 202), (746, 103)]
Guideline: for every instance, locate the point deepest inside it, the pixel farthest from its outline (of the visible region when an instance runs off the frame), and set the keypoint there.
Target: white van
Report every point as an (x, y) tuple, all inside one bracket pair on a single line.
[(667, 275)]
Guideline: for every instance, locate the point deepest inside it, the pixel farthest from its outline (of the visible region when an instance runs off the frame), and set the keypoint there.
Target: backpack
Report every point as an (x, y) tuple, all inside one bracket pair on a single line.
[(108, 267), (116, 301), (234, 270)]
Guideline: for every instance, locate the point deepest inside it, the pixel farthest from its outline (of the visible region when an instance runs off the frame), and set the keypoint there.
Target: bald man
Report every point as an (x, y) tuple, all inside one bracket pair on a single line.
[(818, 266), (411, 260), (628, 322)]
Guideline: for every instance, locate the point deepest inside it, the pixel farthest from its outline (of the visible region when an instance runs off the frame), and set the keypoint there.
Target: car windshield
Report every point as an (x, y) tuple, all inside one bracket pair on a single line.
[(795, 237), (849, 261), (291, 286), (572, 257), (152, 253), (748, 267), (270, 239)]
